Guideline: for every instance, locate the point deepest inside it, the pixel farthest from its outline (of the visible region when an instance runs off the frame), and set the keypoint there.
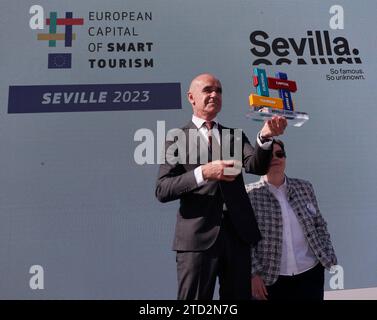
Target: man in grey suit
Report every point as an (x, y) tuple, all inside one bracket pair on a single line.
[(215, 222)]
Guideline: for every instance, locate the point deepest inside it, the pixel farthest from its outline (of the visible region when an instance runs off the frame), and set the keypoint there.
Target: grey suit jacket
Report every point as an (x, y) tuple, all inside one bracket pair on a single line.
[(200, 210), (266, 255)]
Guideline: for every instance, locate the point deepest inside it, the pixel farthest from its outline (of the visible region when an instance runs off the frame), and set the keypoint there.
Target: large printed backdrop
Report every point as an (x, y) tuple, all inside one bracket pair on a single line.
[(78, 79)]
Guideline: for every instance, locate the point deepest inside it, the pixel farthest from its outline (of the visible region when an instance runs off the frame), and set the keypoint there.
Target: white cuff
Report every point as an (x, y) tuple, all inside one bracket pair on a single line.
[(266, 145), (199, 176)]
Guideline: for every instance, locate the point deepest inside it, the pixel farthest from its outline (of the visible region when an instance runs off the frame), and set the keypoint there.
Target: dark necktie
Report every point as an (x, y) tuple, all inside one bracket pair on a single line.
[(209, 125)]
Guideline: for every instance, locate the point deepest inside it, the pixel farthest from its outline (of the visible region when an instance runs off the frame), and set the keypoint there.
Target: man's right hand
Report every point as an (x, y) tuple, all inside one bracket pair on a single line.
[(258, 288), (226, 170)]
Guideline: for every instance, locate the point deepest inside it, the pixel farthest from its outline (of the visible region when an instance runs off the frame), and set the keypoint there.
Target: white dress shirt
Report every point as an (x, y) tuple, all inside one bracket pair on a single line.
[(203, 131), (297, 256)]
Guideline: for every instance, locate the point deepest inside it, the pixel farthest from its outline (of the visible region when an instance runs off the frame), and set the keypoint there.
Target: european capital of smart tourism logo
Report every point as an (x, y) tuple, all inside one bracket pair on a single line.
[(55, 37)]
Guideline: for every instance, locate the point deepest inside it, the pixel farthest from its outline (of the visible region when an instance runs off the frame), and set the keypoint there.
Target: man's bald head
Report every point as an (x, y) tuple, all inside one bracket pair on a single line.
[(202, 77), (205, 96)]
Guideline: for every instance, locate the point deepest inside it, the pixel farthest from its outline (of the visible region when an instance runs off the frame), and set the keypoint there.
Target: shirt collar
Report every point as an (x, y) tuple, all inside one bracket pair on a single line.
[(272, 188), (199, 121)]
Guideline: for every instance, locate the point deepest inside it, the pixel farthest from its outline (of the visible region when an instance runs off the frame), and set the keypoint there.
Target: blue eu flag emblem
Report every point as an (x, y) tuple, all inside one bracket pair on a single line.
[(59, 61)]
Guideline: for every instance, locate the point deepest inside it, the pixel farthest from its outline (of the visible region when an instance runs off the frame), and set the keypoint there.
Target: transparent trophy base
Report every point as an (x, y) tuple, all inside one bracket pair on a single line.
[(294, 118)]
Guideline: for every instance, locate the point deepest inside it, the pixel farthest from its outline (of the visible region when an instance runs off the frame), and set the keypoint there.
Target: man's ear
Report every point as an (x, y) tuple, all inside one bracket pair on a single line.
[(190, 98)]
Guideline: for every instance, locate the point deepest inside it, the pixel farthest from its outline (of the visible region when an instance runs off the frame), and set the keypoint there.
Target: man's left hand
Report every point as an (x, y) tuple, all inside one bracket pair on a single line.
[(274, 127)]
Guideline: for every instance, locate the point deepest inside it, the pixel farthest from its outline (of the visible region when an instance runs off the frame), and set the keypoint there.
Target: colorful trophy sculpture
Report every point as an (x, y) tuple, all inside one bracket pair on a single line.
[(262, 106)]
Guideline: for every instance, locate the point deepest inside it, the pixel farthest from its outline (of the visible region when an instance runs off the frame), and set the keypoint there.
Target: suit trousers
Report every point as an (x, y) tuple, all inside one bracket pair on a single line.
[(228, 259), (304, 286)]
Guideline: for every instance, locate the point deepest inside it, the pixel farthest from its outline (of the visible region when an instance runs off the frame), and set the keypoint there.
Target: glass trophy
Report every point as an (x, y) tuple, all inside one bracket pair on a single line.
[(262, 106)]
